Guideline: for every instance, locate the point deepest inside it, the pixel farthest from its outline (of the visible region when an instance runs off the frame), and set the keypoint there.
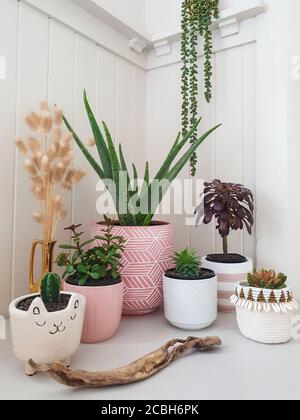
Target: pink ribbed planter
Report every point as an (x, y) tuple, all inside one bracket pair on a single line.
[(149, 253), (103, 311)]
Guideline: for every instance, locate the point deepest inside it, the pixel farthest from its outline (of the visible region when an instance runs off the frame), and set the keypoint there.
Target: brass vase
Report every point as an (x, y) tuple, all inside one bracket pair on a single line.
[(47, 250)]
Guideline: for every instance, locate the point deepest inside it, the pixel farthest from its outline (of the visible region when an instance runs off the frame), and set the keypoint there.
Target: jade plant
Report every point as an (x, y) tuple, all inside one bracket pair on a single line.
[(135, 204), (187, 263), (230, 204), (50, 288), (196, 19), (265, 279), (87, 265)]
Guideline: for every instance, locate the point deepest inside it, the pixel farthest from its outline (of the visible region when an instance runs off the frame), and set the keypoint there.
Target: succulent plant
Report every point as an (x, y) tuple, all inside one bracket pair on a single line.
[(98, 263), (113, 171), (265, 279), (231, 205), (187, 263), (50, 288)]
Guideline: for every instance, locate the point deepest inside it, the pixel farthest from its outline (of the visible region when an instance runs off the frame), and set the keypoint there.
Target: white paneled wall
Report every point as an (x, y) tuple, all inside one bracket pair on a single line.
[(229, 154), (47, 60)]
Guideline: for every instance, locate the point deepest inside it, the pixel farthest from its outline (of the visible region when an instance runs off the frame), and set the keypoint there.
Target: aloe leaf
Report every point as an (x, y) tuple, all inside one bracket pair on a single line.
[(135, 188), (182, 162), (85, 152), (178, 145), (100, 142)]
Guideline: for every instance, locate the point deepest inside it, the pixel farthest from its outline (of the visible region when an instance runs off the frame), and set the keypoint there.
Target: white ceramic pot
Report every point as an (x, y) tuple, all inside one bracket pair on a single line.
[(228, 276), (46, 337), (190, 304), (264, 316)]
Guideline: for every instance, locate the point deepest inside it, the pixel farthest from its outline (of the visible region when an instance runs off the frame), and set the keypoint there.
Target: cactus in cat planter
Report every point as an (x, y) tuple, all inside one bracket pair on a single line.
[(50, 288)]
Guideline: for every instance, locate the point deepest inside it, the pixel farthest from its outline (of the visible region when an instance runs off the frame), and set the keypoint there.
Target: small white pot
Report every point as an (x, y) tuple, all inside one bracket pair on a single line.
[(264, 315), (46, 337), (228, 276), (190, 304)]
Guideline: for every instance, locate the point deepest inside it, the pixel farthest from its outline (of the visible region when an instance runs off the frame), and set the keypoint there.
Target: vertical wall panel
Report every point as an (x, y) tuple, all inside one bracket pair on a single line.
[(230, 137), (173, 126), (249, 127), (125, 108), (8, 49), (85, 78), (32, 89), (139, 119), (203, 237), (61, 92)]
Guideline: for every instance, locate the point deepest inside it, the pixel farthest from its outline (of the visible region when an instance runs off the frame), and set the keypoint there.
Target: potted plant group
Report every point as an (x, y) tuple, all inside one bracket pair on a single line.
[(46, 327), (190, 293), (149, 245), (94, 273), (232, 206), (264, 307)]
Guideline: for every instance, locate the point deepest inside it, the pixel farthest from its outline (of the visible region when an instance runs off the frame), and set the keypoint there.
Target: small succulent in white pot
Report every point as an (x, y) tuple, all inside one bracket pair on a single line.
[(46, 327), (190, 293), (265, 306)]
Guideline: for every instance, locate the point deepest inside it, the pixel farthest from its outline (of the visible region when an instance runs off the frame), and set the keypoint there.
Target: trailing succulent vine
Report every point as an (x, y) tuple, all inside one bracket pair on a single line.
[(196, 18)]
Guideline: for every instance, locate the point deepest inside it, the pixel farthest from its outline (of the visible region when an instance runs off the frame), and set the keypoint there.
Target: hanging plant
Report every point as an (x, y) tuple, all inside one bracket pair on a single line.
[(196, 18)]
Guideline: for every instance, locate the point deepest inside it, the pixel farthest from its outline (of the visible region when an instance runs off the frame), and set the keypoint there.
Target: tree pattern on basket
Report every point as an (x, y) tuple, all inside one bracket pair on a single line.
[(264, 300)]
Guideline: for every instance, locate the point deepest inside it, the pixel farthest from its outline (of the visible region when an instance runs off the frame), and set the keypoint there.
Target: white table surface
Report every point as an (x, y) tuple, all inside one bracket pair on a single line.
[(240, 369)]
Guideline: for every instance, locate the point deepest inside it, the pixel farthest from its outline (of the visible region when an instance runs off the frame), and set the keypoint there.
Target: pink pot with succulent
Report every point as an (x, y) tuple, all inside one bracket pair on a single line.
[(94, 273)]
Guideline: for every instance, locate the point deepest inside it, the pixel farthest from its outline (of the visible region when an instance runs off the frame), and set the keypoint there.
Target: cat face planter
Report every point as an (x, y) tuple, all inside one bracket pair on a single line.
[(43, 336)]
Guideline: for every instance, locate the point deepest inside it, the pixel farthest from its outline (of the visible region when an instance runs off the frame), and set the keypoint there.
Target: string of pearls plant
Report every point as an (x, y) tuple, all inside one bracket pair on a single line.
[(48, 163), (196, 18)]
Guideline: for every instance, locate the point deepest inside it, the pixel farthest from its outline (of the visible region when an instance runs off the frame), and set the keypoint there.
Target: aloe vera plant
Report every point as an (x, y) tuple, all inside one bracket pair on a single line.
[(135, 205)]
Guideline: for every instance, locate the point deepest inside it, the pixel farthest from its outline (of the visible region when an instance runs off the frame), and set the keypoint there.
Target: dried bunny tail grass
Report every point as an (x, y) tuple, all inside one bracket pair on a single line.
[(58, 115), (62, 214), (46, 122), (39, 193), (30, 167), (67, 159), (53, 151), (44, 106), (66, 140), (78, 175), (33, 144), (91, 142), (45, 165), (57, 174), (21, 146), (57, 134), (37, 217), (37, 181), (57, 203), (32, 121), (63, 152)]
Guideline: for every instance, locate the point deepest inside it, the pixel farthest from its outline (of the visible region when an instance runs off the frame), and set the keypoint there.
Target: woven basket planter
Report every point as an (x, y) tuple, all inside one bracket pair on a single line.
[(264, 316)]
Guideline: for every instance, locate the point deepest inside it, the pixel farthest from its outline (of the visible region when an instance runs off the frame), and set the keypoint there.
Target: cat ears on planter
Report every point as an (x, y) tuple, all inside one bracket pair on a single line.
[(37, 306)]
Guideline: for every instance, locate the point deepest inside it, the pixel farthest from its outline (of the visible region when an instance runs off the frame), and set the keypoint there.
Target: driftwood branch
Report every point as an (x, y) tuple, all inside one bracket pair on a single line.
[(137, 371)]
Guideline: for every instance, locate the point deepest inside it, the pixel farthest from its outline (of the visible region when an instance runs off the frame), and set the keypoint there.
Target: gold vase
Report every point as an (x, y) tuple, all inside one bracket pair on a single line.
[(47, 250)]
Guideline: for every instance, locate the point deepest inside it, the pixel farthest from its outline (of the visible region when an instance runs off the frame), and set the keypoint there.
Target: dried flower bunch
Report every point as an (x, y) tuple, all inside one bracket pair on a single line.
[(265, 279), (231, 205), (48, 163)]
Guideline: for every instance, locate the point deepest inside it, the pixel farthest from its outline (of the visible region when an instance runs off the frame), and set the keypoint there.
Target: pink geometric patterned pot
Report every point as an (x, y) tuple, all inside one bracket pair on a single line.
[(148, 254), (103, 311)]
